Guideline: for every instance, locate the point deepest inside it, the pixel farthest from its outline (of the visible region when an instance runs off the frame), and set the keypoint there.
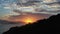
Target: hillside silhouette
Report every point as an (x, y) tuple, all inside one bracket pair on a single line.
[(46, 26)]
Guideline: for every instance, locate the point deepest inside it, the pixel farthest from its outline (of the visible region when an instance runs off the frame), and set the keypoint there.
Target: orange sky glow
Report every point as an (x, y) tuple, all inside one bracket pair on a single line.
[(26, 19)]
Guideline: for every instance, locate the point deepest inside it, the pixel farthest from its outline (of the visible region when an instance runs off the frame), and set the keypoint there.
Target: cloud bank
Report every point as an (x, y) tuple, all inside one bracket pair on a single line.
[(28, 7), (35, 6)]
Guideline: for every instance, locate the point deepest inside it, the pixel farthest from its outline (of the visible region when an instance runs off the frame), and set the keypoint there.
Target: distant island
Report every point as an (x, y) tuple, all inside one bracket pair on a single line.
[(45, 26)]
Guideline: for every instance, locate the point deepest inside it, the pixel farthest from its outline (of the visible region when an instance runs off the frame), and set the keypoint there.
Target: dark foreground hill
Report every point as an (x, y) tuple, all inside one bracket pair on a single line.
[(46, 26)]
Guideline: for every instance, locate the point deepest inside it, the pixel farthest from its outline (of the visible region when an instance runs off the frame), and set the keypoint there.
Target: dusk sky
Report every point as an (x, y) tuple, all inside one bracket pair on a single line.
[(21, 10), (7, 7)]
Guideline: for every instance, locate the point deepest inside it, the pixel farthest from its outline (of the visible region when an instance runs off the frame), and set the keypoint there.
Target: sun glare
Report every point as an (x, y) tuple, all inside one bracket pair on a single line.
[(28, 20)]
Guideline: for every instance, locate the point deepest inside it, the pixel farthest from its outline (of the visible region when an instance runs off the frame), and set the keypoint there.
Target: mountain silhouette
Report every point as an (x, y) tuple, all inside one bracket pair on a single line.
[(46, 26)]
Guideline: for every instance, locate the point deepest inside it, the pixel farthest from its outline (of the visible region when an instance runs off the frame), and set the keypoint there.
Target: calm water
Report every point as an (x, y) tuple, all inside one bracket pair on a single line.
[(5, 27)]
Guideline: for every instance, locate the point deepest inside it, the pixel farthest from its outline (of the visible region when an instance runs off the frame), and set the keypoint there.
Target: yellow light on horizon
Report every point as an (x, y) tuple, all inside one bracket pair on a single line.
[(28, 20)]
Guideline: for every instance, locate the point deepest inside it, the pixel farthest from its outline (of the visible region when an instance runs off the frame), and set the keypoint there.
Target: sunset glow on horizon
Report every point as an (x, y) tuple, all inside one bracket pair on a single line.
[(22, 12), (29, 20)]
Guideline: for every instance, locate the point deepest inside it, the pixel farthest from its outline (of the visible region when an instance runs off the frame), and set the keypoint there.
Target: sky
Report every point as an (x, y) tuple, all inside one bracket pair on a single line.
[(10, 8), (17, 10), (20, 10), (44, 6)]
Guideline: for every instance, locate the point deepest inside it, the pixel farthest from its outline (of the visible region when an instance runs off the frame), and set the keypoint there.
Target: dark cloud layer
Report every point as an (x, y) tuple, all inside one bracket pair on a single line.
[(8, 22)]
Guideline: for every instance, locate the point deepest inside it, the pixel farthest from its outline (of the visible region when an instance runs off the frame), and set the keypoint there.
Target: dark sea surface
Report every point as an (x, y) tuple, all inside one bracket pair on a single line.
[(5, 27)]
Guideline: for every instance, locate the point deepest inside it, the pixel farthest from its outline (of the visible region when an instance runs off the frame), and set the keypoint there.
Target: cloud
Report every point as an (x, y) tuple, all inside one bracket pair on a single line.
[(38, 9), (21, 18), (7, 22), (49, 1), (7, 8), (22, 1), (48, 6)]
